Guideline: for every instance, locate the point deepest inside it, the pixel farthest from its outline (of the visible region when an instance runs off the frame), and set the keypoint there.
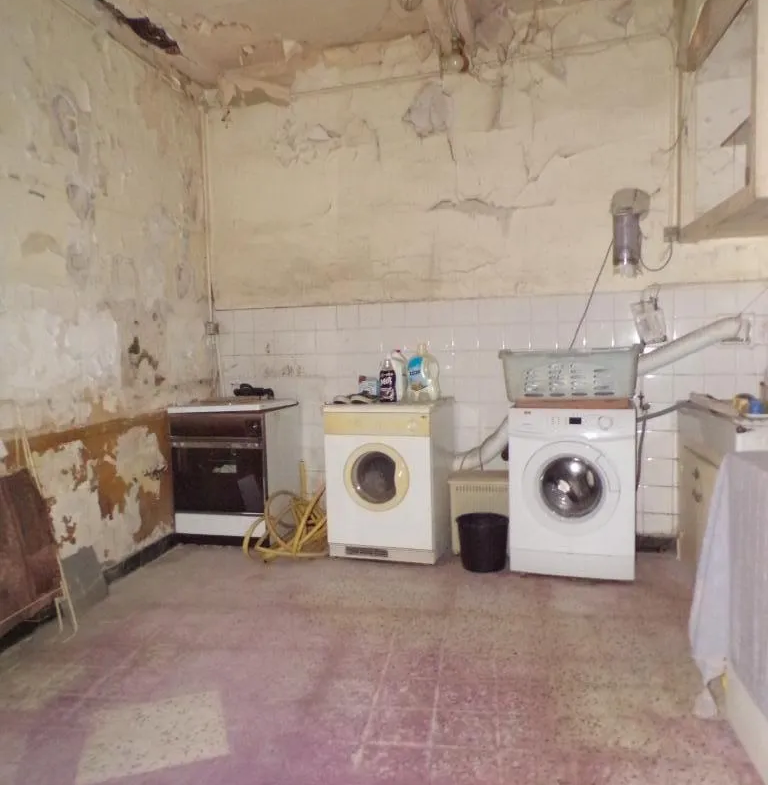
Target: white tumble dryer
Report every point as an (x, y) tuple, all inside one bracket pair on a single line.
[(386, 473), (572, 492)]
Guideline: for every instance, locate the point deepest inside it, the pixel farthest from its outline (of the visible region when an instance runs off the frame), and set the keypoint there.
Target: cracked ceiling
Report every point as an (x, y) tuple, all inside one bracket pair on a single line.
[(258, 45)]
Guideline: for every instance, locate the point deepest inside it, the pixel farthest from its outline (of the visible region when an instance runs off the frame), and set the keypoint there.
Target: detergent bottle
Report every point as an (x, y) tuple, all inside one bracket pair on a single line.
[(423, 376), (388, 381), (400, 365)]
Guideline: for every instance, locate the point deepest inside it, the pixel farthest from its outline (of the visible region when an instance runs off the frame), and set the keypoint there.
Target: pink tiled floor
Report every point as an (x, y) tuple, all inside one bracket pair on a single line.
[(206, 668)]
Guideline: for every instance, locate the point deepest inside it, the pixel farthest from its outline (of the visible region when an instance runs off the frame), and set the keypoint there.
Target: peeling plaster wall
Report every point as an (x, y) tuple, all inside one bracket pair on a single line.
[(381, 182), (102, 273)]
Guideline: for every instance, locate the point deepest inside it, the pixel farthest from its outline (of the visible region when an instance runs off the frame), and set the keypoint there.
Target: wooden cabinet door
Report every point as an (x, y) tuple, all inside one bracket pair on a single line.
[(705, 486), (687, 509)]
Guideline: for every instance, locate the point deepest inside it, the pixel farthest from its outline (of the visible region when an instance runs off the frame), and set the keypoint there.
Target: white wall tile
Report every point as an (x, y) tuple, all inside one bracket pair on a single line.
[(263, 319), (657, 499), (490, 337), (416, 314), (465, 312), (601, 308), (393, 314), (370, 315), (624, 332), (600, 334), (690, 301), (684, 385), (325, 317), (242, 321), (465, 336), (570, 307), (518, 310), (347, 317), (544, 310), (682, 325), (489, 365), (304, 342), (720, 360), (622, 304), (441, 339), (543, 336), (303, 319), (720, 299), (659, 524), (517, 337), (263, 343), (283, 318), (328, 342), (441, 313), (494, 311), (569, 337), (226, 321), (658, 472), (661, 444), (243, 346), (658, 388), (226, 344), (465, 364)]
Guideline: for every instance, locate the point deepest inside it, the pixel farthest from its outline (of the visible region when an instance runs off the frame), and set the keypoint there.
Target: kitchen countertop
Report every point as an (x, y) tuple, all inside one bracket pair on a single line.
[(235, 404)]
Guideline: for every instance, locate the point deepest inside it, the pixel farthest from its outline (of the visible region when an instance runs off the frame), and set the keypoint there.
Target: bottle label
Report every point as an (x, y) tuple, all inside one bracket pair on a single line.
[(416, 378), (387, 388)]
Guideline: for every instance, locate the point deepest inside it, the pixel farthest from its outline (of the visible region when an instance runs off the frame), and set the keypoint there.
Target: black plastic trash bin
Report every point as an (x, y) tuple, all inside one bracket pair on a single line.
[(483, 541)]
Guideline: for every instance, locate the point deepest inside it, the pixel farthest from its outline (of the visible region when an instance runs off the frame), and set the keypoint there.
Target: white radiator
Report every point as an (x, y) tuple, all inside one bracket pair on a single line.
[(477, 491)]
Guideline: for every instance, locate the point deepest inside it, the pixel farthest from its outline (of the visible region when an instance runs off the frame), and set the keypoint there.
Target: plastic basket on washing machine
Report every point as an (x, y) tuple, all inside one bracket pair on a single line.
[(581, 373)]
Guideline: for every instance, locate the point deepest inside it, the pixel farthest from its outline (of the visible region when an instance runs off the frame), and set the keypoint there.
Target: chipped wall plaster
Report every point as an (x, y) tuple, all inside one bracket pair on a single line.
[(101, 250), (102, 229), (107, 488), (512, 197)]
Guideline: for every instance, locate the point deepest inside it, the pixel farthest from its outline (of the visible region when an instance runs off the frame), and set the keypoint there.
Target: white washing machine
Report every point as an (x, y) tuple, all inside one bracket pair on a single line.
[(386, 474), (572, 492)]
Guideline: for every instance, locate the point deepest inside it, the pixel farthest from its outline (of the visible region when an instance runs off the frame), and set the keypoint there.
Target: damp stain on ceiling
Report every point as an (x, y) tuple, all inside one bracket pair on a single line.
[(215, 43)]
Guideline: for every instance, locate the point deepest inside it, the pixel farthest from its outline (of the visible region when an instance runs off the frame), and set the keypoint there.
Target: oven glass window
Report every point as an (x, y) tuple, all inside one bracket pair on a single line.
[(218, 480), (373, 477), (571, 487)]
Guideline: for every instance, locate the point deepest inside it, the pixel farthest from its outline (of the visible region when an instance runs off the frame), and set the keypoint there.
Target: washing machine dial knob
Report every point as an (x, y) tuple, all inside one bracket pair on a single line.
[(604, 422)]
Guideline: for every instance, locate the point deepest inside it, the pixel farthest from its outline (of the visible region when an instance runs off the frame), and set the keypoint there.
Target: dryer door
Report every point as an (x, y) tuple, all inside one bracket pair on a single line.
[(376, 477), (574, 487)]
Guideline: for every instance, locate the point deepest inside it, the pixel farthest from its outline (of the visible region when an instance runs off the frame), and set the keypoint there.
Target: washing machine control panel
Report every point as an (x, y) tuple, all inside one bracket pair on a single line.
[(573, 422)]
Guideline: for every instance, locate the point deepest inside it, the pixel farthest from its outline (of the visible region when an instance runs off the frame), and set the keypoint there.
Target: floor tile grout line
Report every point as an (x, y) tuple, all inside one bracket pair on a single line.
[(433, 724), (358, 755)]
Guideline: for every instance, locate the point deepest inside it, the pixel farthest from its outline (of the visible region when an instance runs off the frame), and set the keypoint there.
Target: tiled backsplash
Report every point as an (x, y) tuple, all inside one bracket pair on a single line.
[(313, 354)]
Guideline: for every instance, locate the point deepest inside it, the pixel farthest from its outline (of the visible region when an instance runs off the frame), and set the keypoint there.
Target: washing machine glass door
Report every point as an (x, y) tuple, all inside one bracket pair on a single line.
[(571, 486), (376, 477)]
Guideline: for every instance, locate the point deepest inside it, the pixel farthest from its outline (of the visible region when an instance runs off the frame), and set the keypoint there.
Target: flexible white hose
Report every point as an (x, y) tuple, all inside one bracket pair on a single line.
[(692, 342), (484, 453)]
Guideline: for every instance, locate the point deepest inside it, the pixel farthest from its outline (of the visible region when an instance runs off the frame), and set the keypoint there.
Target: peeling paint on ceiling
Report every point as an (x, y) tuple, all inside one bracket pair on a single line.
[(251, 50)]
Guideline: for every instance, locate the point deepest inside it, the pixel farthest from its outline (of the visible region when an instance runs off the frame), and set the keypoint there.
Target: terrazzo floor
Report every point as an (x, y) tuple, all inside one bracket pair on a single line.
[(204, 667)]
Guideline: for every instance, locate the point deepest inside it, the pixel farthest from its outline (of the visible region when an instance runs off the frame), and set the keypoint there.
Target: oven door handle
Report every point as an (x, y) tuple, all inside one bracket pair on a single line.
[(214, 444)]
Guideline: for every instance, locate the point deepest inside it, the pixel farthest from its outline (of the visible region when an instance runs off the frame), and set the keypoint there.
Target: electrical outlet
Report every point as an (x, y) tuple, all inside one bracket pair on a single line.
[(671, 234), (211, 328)]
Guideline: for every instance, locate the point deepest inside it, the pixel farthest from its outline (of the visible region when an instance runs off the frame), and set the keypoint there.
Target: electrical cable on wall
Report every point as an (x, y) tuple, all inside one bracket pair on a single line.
[(591, 294)]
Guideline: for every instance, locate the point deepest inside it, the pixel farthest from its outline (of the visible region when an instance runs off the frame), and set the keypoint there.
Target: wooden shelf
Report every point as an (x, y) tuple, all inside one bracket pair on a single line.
[(741, 215)]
